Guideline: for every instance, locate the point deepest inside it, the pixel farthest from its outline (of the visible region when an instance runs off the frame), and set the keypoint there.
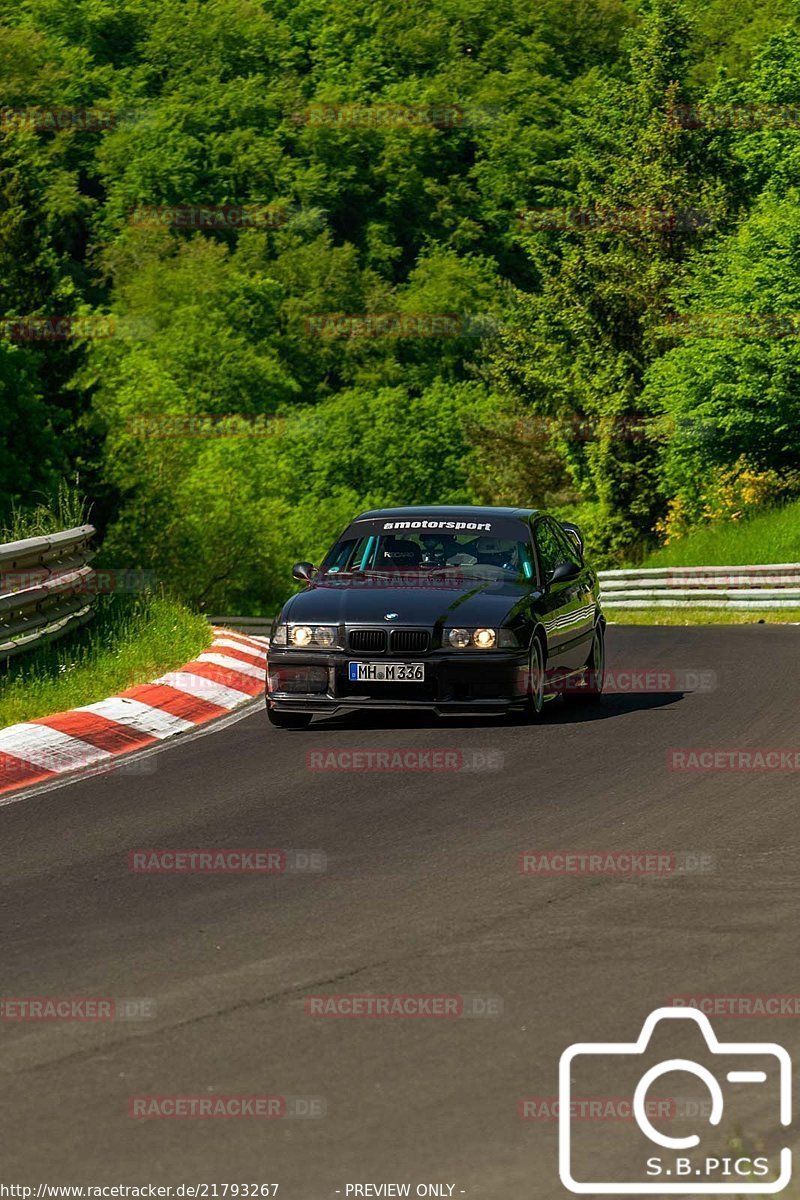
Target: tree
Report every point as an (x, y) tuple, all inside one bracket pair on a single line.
[(580, 343)]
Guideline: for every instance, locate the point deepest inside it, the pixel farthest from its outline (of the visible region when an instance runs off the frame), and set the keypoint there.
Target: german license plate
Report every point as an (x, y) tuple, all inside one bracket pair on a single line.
[(386, 672)]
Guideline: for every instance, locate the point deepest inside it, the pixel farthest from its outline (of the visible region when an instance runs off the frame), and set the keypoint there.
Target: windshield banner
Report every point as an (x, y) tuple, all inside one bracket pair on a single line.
[(463, 524)]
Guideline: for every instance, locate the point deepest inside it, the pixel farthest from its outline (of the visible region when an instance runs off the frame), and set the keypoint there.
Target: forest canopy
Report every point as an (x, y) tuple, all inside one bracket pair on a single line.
[(262, 265)]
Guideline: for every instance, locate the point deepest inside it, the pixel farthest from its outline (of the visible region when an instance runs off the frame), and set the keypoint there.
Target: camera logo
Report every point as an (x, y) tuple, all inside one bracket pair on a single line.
[(676, 1165)]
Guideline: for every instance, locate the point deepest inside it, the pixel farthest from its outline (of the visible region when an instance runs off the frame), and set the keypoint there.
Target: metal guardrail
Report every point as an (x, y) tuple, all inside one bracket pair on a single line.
[(771, 585), (45, 588)]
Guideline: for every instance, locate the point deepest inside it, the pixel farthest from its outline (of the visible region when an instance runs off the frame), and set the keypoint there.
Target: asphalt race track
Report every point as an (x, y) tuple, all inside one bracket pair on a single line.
[(422, 895)]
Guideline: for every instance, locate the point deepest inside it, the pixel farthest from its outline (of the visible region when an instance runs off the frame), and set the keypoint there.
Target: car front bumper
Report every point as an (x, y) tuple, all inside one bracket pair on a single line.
[(491, 681)]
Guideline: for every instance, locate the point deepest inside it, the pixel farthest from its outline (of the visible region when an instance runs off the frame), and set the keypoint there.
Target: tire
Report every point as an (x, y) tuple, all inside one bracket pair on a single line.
[(532, 708), (591, 688), (287, 720)]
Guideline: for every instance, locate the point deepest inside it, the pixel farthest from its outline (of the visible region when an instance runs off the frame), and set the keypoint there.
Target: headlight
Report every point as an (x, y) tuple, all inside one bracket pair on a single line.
[(309, 636), (280, 638), (324, 635), (476, 639), (507, 639)]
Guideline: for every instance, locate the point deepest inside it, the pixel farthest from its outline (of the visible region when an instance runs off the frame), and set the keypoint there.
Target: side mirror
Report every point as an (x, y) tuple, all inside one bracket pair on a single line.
[(564, 572), (304, 572), (574, 534)]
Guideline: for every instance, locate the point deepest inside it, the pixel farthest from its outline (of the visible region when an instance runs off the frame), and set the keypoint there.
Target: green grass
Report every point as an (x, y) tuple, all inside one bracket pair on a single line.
[(699, 616), (66, 510), (772, 536), (130, 640)]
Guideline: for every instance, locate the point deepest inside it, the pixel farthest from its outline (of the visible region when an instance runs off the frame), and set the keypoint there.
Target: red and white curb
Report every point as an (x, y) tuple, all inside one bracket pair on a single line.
[(232, 671)]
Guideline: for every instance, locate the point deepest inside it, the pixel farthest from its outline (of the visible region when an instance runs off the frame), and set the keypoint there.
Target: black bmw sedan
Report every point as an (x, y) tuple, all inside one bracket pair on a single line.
[(453, 609)]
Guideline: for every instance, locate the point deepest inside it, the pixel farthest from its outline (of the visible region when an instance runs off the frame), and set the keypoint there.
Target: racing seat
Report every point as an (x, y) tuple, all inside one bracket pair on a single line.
[(493, 552), (400, 554)]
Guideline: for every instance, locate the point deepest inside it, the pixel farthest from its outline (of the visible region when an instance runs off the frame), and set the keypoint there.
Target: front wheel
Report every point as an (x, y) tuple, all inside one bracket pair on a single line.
[(534, 702), (590, 688), (287, 720)]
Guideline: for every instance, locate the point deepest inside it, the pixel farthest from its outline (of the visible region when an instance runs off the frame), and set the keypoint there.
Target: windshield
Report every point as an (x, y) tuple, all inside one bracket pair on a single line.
[(430, 553)]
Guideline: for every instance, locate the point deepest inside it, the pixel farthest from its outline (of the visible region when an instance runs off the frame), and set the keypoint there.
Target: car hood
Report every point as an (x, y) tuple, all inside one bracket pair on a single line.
[(468, 602)]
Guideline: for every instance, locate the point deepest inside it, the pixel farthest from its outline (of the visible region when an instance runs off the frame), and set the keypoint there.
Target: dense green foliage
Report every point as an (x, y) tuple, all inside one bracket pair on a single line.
[(558, 379)]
